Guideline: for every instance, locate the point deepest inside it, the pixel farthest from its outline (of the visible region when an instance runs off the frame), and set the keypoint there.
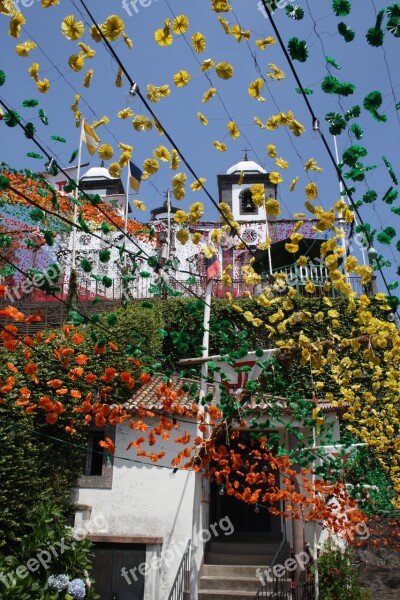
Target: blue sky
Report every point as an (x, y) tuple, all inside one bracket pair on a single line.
[(366, 67)]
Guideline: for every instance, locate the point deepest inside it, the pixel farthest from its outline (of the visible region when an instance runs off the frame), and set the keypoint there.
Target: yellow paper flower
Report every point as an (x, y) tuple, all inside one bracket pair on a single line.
[(281, 163), (311, 165), (151, 166), (210, 93), (157, 125), (48, 3), (302, 261), (255, 89), (163, 36), (197, 185), (262, 44), (277, 73), (220, 146), (293, 184), (233, 130), (271, 151), (124, 159), (225, 25), (103, 121), (239, 34), (296, 128), (179, 179), (112, 28), (181, 78), (198, 42), (7, 7), (220, 6), (258, 122), (162, 153), (127, 40), (224, 70), (126, 148), (182, 236), (272, 123), (72, 29), (196, 237), (179, 193), (76, 62), (115, 170), (275, 177), (142, 123), (164, 90), (175, 160), (208, 251), (88, 78), (292, 248), (180, 24), (273, 207), (125, 113), (105, 151), (34, 71), (153, 93), (207, 64), (181, 217), (140, 205), (16, 22), (87, 51), (95, 35), (118, 80), (24, 48), (202, 118), (311, 191), (43, 86)]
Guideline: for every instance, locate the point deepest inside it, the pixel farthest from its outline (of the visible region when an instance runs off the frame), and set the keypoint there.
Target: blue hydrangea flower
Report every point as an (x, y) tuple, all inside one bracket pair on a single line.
[(58, 583), (76, 588)]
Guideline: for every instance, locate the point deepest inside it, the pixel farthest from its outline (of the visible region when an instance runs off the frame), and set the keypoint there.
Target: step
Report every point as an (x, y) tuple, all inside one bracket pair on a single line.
[(224, 595), (217, 558), (220, 582), (232, 570), (243, 548)]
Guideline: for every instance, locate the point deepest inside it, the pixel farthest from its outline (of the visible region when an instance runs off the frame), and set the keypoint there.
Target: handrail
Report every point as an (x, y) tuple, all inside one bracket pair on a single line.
[(180, 587), (274, 586)]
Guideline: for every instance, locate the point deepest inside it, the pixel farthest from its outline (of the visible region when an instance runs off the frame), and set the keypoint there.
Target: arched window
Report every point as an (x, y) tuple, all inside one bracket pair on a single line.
[(247, 206)]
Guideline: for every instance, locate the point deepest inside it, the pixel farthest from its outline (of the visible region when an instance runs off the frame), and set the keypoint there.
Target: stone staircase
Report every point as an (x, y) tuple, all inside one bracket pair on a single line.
[(229, 572)]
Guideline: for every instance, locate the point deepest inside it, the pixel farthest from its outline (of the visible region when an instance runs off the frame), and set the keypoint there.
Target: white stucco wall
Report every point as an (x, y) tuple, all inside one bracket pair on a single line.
[(146, 501)]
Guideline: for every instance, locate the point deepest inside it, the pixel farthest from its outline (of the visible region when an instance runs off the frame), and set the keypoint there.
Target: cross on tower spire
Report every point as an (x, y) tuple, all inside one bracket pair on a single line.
[(246, 150)]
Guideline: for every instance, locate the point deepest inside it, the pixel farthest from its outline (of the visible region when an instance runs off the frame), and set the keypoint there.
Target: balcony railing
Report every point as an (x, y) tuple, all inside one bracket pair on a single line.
[(180, 587)]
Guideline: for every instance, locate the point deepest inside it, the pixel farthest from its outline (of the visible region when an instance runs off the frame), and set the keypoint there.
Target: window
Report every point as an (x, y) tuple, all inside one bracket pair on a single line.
[(95, 454), (247, 206)]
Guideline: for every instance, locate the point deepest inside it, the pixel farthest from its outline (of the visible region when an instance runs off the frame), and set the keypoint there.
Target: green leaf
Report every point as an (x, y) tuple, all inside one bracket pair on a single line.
[(332, 62)]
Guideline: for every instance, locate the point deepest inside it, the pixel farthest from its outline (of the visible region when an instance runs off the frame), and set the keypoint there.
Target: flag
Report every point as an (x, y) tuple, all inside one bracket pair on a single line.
[(135, 176), (90, 138), (213, 266)]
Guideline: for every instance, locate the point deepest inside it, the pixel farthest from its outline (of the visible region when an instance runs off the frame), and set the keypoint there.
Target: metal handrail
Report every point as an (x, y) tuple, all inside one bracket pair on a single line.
[(180, 587), (276, 588)]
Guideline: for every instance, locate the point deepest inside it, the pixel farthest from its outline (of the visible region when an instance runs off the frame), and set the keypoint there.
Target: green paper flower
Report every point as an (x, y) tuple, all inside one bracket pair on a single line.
[(337, 123), (107, 281), (29, 130), (37, 215), (372, 101), (353, 113), (57, 138), (104, 255), (294, 12), (35, 155), (2, 78), (329, 84), (112, 319), (393, 10), (105, 227), (48, 236), (390, 169), (393, 26), (307, 91), (4, 183), (73, 156), (351, 156), (298, 49), (43, 117), (86, 265), (30, 103), (346, 32), (378, 117), (357, 130), (396, 211), (375, 34), (345, 89), (386, 236), (11, 118), (341, 8), (370, 196), (332, 62), (390, 196)]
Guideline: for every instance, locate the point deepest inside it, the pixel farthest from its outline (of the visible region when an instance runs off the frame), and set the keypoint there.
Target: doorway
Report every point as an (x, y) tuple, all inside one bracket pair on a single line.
[(116, 570)]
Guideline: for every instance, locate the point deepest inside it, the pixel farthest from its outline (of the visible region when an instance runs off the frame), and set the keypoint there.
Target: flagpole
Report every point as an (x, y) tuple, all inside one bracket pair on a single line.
[(168, 224), (127, 204), (206, 337), (78, 176)]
